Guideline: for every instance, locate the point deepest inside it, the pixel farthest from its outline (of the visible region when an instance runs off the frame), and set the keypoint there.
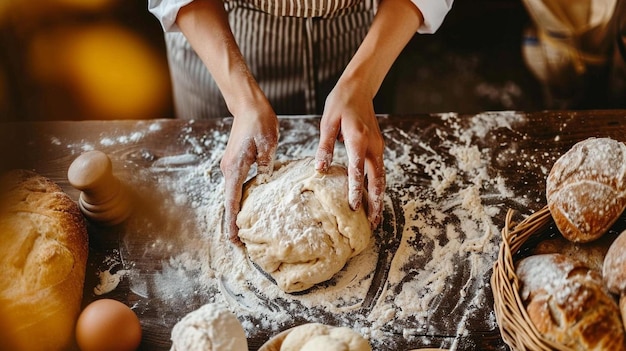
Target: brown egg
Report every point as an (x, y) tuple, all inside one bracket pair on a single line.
[(107, 325)]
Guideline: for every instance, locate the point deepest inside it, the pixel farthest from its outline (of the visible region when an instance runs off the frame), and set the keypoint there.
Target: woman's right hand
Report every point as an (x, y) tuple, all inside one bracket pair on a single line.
[(253, 139), (254, 133)]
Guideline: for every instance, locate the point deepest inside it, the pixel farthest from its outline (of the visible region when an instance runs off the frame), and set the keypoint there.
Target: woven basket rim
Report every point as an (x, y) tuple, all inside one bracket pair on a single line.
[(516, 328)]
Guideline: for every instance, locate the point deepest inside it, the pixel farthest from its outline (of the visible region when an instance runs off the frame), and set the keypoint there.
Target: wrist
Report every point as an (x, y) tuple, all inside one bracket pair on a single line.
[(359, 79), (246, 98), (249, 100)]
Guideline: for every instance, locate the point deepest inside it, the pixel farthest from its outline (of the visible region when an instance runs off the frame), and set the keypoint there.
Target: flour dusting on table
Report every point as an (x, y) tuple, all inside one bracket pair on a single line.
[(436, 246)]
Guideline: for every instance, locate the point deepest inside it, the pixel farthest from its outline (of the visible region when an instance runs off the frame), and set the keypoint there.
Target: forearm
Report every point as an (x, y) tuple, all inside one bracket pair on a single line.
[(205, 25), (394, 25)]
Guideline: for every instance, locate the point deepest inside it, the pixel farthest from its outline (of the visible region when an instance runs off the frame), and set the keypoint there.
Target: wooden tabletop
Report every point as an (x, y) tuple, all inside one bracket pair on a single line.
[(433, 161)]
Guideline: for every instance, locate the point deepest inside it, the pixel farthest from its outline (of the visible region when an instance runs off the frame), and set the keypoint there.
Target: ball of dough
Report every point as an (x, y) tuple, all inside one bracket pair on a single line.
[(297, 225), (324, 342), (212, 327), (317, 336)]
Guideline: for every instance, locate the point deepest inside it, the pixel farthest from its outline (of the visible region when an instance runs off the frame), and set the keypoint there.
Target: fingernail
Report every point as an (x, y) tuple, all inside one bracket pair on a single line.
[(355, 204), (320, 165)]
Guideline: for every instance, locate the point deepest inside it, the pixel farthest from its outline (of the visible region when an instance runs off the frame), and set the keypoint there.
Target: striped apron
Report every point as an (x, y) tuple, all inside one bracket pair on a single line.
[(296, 50)]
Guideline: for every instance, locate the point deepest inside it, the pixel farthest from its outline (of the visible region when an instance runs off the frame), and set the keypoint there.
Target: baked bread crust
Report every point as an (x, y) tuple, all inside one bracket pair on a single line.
[(614, 267), (43, 257), (586, 188), (568, 304)]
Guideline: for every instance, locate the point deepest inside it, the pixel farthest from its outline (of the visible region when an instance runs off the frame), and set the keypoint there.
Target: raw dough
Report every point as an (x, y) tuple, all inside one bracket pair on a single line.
[(298, 226), (317, 336), (212, 327)]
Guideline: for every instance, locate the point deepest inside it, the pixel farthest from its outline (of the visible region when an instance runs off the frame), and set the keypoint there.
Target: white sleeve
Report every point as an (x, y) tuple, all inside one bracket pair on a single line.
[(434, 11), (166, 11)]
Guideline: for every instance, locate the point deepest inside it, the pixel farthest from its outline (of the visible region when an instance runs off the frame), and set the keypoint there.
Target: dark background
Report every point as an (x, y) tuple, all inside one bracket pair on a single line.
[(105, 59)]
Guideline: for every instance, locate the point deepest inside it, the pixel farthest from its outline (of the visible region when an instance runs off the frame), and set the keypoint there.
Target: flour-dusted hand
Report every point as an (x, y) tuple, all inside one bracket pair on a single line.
[(349, 116), (349, 110), (253, 139), (254, 134)]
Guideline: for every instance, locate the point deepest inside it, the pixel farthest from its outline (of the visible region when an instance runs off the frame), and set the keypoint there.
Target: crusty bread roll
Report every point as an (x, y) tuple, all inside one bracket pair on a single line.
[(590, 254), (568, 304), (614, 267), (586, 188), (43, 257), (614, 271)]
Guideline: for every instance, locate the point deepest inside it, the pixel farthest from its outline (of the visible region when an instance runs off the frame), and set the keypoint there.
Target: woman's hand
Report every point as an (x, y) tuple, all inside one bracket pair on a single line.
[(349, 112), (253, 139), (254, 134), (349, 116)]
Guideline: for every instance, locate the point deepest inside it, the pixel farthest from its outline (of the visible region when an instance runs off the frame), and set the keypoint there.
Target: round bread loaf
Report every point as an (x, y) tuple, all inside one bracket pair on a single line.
[(43, 257), (614, 271), (614, 267), (586, 188), (568, 304)]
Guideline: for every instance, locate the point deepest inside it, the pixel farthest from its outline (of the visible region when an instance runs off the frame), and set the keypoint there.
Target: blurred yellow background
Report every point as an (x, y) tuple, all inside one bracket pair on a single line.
[(106, 59), (81, 59)]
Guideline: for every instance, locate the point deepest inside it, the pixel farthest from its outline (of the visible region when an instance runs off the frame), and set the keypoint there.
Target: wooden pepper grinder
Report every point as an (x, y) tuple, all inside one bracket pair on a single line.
[(103, 198)]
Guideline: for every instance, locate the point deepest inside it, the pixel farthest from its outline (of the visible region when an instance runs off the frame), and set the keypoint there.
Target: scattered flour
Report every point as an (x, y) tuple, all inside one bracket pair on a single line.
[(108, 281), (427, 272)]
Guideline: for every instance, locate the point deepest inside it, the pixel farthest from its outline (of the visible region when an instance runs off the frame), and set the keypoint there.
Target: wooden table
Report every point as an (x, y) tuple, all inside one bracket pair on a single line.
[(428, 164)]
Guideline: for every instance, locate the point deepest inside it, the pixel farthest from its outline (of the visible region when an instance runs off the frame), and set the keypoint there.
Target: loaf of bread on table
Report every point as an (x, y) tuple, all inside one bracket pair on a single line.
[(614, 267), (614, 270), (568, 304), (586, 188), (43, 257)]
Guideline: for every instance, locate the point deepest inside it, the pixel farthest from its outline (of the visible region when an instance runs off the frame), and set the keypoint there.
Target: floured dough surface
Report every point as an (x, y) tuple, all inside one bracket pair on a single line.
[(317, 336), (212, 327), (298, 227)]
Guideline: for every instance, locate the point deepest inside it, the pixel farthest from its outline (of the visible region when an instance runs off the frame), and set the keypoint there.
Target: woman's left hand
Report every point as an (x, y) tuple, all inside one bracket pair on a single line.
[(349, 116)]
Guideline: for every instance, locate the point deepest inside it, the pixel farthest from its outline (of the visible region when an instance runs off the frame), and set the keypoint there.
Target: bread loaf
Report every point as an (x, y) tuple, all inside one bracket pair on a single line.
[(614, 271), (586, 188), (614, 267), (43, 257), (591, 254), (568, 304)]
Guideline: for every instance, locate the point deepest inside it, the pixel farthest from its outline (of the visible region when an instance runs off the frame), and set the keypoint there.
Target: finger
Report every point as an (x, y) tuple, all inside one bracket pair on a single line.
[(234, 176), (232, 205), (328, 134), (376, 183), (265, 165), (266, 151), (355, 150)]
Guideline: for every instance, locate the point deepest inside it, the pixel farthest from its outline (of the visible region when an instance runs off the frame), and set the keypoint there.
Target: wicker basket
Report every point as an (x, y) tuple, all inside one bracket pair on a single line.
[(516, 328)]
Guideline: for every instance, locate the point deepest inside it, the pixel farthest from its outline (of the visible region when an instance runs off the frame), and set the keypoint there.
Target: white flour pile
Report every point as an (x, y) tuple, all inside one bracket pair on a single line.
[(436, 247)]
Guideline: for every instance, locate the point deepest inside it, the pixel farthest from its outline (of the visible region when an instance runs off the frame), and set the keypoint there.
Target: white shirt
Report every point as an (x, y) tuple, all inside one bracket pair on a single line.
[(434, 11)]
